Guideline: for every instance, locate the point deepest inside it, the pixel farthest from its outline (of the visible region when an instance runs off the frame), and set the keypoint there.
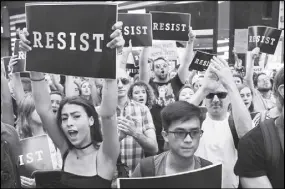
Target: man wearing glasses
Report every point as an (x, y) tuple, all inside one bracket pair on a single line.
[(218, 142), (181, 123)]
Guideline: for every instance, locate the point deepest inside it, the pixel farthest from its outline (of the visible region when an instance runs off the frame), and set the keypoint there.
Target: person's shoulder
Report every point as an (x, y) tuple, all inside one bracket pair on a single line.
[(203, 162), (253, 136)]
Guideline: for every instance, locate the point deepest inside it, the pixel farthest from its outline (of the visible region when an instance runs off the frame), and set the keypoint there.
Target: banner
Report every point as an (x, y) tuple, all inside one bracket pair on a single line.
[(21, 65), (138, 28), (266, 38), (36, 155), (70, 38), (201, 61), (207, 177), (170, 26), (241, 40), (5, 61)]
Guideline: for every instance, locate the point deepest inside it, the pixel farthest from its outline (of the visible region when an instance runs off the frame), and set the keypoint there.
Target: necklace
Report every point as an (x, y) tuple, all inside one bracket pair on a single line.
[(83, 148)]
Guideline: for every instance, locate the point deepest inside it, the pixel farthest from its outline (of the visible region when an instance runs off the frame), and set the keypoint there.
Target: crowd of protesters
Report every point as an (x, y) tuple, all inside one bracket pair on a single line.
[(160, 120)]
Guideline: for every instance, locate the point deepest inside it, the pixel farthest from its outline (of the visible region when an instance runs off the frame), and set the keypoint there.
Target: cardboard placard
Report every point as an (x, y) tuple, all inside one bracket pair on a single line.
[(241, 40), (73, 44), (201, 61), (165, 49), (138, 28), (191, 179), (35, 155), (21, 65), (170, 25), (266, 38)]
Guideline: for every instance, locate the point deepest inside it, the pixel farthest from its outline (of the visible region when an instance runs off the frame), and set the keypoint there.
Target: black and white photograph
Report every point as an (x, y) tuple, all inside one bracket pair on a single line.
[(142, 94)]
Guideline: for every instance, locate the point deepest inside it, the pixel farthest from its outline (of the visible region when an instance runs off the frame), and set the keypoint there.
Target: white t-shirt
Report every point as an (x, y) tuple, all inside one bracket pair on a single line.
[(217, 145)]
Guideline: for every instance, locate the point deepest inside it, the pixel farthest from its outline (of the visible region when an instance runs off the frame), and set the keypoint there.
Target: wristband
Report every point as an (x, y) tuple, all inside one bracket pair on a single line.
[(38, 79)]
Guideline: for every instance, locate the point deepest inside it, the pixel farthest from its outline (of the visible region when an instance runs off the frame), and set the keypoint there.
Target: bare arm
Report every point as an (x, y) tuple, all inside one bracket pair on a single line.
[(147, 140), (144, 72), (56, 83), (43, 106), (257, 182), (183, 70), (125, 55), (248, 80), (94, 92), (7, 114), (69, 86)]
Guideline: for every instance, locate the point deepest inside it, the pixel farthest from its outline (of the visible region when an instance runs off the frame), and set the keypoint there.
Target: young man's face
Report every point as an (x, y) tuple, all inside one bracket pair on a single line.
[(263, 82), (161, 69), (181, 145), (123, 82)]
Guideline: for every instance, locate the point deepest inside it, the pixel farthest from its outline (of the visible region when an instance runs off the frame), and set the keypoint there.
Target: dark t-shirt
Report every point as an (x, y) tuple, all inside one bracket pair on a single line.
[(165, 93), (251, 159)]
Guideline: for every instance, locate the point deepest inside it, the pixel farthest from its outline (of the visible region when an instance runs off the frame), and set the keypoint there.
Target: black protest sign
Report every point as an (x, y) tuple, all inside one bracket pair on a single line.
[(35, 155), (266, 38), (170, 26), (201, 61), (21, 65), (192, 179), (136, 56), (132, 68), (138, 28), (73, 44)]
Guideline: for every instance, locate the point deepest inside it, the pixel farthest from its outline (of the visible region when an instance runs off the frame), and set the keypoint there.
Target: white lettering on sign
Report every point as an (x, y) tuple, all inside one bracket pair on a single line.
[(169, 27), (22, 55), (84, 39), (262, 39), (135, 30), (31, 157), (202, 62)]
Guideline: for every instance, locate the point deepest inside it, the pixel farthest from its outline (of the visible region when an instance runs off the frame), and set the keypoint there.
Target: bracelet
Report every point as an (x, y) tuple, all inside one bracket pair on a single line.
[(38, 79)]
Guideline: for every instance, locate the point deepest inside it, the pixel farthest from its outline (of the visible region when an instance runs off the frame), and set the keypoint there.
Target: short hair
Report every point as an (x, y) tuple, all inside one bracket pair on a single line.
[(185, 86), (278, 80), (180, 111), (149, 92), (159, 58), (241, 87), (57, 92), (255, 79), (239, 76)]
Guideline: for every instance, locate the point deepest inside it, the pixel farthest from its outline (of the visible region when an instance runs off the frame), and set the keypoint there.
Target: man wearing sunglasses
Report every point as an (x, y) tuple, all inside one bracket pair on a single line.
[(182, 131), (135, 125), (220, 137)]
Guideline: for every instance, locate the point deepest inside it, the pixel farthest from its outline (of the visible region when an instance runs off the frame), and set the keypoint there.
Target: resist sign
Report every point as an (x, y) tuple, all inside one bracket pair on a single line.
[(71, 38), (170, 26)]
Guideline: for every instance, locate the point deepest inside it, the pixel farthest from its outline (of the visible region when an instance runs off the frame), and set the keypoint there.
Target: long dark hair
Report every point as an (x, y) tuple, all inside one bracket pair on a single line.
[(95, 129)]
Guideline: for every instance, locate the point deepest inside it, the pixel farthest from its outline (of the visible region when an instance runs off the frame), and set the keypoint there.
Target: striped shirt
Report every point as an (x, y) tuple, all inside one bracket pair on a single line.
[(131, 151)]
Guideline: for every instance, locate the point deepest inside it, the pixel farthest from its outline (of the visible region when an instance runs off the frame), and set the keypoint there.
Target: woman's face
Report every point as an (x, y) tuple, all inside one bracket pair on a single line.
[(55, 101), (246, 96), (86, 89), (76, 124), (139, 94), (186, 94)]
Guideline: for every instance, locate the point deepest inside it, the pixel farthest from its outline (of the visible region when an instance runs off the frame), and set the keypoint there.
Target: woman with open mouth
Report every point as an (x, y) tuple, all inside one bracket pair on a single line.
[(76, 128)]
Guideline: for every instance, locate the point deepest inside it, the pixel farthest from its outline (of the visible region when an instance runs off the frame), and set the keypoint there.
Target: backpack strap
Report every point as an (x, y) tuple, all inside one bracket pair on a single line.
[(147, 167), (271, 143), (233, 131)]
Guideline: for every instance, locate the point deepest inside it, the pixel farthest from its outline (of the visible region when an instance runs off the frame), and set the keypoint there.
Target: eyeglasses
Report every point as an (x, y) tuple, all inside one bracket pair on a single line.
[(221, 95), (182, 134), (124, 81)]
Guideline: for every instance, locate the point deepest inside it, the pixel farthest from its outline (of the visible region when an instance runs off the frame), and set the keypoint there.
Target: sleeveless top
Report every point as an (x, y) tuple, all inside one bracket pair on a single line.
[(70, 180)]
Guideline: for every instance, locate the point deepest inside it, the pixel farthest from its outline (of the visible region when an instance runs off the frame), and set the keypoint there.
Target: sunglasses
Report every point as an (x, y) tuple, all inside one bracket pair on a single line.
[(124, 81), (221, 95), (182, 134)]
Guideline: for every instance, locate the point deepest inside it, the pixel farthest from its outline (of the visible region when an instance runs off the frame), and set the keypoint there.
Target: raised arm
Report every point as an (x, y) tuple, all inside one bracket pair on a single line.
[(248, 80), (7, 114), (96, 99), (43, 102), (125, 55), (69, 86), (183, 70), (110, 148), (242, 119), (56, 83), (144, 72), (16, 81)]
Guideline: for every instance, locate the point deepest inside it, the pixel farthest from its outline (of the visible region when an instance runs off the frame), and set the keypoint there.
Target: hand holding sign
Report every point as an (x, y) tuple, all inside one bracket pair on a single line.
[(192, 35), (24, 43), (13, 61), (118, 40), (28, 182), (255, 53)]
